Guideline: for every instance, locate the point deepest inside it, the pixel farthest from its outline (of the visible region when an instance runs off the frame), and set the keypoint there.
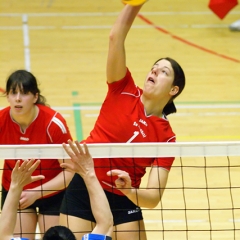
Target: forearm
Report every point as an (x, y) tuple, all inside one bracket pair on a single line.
[(124, 21), (56, 184), (9, 211), (99, 205), (116, 61), (148, 198)]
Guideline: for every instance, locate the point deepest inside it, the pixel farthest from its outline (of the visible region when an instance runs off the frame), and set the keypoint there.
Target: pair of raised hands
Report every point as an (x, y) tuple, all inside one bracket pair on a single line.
[(81, 163)]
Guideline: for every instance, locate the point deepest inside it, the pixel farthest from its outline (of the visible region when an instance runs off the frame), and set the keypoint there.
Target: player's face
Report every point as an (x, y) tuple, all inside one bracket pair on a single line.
[(158, 83), (21, 103)]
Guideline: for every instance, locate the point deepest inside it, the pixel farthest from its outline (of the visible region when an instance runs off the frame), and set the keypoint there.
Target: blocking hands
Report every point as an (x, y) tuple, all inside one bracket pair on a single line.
[(22, 173), (81, 160)]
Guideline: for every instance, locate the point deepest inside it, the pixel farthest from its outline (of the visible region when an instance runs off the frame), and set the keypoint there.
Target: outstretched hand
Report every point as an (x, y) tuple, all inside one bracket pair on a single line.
[(81, 160), (123, 182), (22, 174)]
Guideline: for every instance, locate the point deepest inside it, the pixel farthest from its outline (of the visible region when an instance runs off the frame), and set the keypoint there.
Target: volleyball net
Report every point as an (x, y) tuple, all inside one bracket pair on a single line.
[(202, 196)]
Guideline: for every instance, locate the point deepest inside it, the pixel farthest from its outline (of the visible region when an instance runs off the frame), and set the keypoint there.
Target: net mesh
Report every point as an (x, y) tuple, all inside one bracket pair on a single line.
[(201, 199)]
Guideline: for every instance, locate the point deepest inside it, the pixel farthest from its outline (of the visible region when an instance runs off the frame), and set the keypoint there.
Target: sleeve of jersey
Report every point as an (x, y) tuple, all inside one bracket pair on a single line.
[(125, 84), (165, 162), (92, 236), (58, 131)]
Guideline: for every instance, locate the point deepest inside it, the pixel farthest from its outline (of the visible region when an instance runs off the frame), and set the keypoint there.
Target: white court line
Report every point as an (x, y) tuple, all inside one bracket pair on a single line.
[(220, 114), (91, 115), (4, 28), (207, 106), (96, 107), (186, 114), (179, 114), (183, 26), (183, 221), (235, 220), (180, 106), (26, 42), (66, 115), (102, 14)]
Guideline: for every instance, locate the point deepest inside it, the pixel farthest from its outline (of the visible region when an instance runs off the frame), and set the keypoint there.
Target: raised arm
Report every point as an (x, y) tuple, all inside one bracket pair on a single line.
[(82, 163), (116, 62), (21, 176)]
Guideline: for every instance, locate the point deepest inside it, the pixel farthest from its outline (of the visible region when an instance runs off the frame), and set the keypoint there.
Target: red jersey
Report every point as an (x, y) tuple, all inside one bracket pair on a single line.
[(49, 127), (122, 119)]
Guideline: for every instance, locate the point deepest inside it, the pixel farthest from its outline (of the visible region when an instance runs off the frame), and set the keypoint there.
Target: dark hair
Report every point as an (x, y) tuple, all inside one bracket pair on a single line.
[(59, 233), (179, 80), (26, 82)]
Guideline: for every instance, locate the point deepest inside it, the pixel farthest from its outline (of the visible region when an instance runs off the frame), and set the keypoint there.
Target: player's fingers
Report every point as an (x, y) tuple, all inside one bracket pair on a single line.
[(23, 165), (32, 166), (73, 147), (36, 164), (28, 163), (79, 147), (120, 182), (17, 164), (117, 172), (36, 178), (86, 149), (66, 166), (68, 150)]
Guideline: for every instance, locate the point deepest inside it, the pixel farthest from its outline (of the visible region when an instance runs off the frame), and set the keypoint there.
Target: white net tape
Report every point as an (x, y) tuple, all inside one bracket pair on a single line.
[(180, 149)]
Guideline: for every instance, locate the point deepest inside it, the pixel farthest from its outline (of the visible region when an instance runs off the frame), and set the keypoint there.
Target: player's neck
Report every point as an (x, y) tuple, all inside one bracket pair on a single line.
[(25, 120), (151, 108)]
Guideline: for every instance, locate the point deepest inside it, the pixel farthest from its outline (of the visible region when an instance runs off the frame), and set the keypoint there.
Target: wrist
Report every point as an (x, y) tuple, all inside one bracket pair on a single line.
[(88, 175), (15, 187), (131, 193)]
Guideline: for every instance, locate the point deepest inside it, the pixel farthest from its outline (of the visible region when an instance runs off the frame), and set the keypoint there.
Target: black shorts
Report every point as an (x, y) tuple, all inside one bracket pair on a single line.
[(46, 206), (76, 203)]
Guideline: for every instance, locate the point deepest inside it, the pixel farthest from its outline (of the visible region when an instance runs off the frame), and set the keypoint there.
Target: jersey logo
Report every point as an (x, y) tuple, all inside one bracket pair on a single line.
[(24, 139), (143, 122), (134, 211), (136, 133), (134, 136)]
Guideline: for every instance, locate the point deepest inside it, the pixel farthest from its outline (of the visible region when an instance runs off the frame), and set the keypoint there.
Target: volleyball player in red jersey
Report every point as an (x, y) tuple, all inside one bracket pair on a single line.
[(128, 114), (29, 121)]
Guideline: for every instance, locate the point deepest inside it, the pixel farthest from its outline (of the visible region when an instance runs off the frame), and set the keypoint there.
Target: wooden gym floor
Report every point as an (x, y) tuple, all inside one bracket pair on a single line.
[(65, 45)]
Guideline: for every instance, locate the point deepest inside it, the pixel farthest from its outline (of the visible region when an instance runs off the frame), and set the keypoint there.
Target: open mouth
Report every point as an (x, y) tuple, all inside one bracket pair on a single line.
[(18, 107), (151, 80)]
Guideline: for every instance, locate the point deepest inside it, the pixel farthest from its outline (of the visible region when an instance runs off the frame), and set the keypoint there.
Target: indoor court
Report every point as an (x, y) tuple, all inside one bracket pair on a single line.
[(64, 44)]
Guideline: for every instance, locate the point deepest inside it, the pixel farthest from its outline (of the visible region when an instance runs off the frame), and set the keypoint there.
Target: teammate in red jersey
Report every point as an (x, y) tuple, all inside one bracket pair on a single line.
[(29, 121), (128, 114)]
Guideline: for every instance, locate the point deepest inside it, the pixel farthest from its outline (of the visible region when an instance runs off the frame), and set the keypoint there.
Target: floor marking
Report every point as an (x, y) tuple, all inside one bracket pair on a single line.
[(26, 42), (85, 27), (103, 14), (162, 30), (149, 221), (97, 106), (77, 117)]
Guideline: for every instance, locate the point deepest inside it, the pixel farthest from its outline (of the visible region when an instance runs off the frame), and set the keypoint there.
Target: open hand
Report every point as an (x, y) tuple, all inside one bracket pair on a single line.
[(81, 160)]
